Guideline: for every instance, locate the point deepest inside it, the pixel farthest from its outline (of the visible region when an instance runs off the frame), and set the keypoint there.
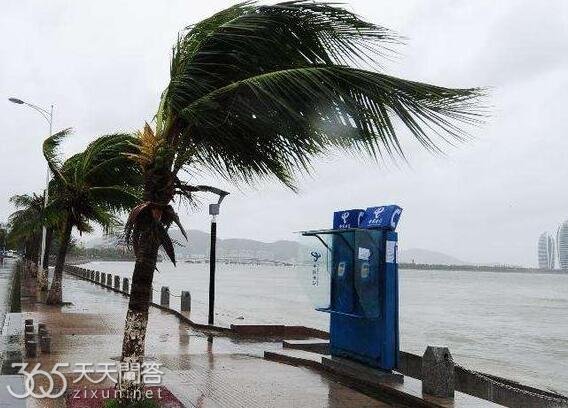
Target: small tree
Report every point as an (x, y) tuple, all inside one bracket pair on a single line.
[(26, 224), (90, 187)]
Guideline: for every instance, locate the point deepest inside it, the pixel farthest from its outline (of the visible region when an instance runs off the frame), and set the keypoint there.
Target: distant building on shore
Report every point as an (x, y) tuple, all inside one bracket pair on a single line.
[(546, 255), (562, 245)]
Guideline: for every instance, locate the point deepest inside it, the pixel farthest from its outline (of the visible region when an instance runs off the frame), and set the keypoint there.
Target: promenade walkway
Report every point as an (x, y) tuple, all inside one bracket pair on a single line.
[(200, 372)]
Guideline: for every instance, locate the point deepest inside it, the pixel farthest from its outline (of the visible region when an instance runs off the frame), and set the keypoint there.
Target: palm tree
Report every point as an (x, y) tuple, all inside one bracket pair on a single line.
[(26, 223), (89, 187), (256, 92)]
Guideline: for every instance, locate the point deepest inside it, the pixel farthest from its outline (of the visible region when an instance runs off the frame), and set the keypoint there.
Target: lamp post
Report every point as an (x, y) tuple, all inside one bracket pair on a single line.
[(213, 212), (48, 116)]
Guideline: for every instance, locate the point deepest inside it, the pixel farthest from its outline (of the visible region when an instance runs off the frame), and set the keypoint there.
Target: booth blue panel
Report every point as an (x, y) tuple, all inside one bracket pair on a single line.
[(347, 218), (384, 217)]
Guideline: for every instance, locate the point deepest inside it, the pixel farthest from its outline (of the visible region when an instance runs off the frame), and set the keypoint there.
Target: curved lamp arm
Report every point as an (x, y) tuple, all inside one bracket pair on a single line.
[(221, 193), (47, 115)]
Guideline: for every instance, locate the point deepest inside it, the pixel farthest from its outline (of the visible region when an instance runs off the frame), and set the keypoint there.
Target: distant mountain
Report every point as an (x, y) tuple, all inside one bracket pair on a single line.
[(198, 246), (425, 256), (105, 241)]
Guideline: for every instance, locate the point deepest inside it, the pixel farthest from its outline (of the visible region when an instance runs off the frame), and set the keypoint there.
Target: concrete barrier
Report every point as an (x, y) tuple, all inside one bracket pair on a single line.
[(31, 348), (103, 278), (125, 285), (438, 372), (165, 296), (185, 301), (45, 344), (117, 282), (109, 280)]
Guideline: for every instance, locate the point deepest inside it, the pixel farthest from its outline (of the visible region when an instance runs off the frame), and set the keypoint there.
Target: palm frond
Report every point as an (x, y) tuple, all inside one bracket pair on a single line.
[(258, 91), (26, 200), (51, 151), (274, 123), (248, 40), (30, 216), (101, 181), (107, 220), (116, 198), (104, 161)]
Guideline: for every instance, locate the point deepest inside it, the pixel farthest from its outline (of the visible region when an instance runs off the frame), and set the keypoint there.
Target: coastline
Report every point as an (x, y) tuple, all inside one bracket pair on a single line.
[(402, 266)]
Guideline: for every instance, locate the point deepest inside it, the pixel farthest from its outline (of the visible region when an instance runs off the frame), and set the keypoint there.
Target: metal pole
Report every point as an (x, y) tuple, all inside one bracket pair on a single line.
[(212, 260), (46, 199)]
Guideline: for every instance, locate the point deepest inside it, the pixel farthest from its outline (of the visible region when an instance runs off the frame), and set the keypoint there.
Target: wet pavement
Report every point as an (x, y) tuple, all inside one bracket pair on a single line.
[(200, 370)]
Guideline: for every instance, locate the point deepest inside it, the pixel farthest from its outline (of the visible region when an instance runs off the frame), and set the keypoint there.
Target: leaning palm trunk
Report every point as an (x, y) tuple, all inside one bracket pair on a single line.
[(137, 315), (55, 296)]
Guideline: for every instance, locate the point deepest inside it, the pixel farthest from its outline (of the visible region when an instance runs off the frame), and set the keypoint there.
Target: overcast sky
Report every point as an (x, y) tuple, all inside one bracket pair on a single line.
[(104, 64)]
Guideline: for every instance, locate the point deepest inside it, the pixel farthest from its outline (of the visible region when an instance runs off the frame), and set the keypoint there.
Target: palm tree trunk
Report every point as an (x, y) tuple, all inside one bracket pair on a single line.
[(55, 296), (27, 249), (42, 276), (137, 315)]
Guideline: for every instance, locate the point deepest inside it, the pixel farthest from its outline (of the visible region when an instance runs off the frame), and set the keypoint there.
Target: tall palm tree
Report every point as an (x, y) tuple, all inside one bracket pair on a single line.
[(89, 187), (257, 92)]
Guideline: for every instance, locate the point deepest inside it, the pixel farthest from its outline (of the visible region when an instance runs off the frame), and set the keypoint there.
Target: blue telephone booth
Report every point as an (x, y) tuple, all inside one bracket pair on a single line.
[(363, 299)]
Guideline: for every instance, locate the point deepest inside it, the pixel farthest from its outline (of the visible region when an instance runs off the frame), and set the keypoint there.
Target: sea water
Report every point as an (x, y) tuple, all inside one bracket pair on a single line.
[(513, 325)]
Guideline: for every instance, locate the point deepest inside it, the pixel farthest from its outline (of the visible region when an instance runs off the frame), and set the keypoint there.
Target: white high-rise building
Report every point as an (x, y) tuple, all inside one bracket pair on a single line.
[(562, 245), (546, 255)]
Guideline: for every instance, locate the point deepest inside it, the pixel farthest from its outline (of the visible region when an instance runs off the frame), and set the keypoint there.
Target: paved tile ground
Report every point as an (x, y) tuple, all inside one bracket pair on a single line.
[(200, 371)]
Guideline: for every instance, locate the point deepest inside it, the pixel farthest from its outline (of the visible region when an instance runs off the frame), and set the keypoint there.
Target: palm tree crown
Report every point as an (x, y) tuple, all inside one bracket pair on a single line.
[(26, 223), (259, 90), (89, 187), (95, 184)]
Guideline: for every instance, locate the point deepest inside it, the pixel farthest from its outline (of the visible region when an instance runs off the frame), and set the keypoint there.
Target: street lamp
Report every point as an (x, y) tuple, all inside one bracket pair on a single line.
[(213, 212), (48, 116)]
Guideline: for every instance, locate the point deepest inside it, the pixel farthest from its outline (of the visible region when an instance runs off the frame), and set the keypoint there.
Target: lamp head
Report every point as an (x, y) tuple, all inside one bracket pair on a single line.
[(16, 100)]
